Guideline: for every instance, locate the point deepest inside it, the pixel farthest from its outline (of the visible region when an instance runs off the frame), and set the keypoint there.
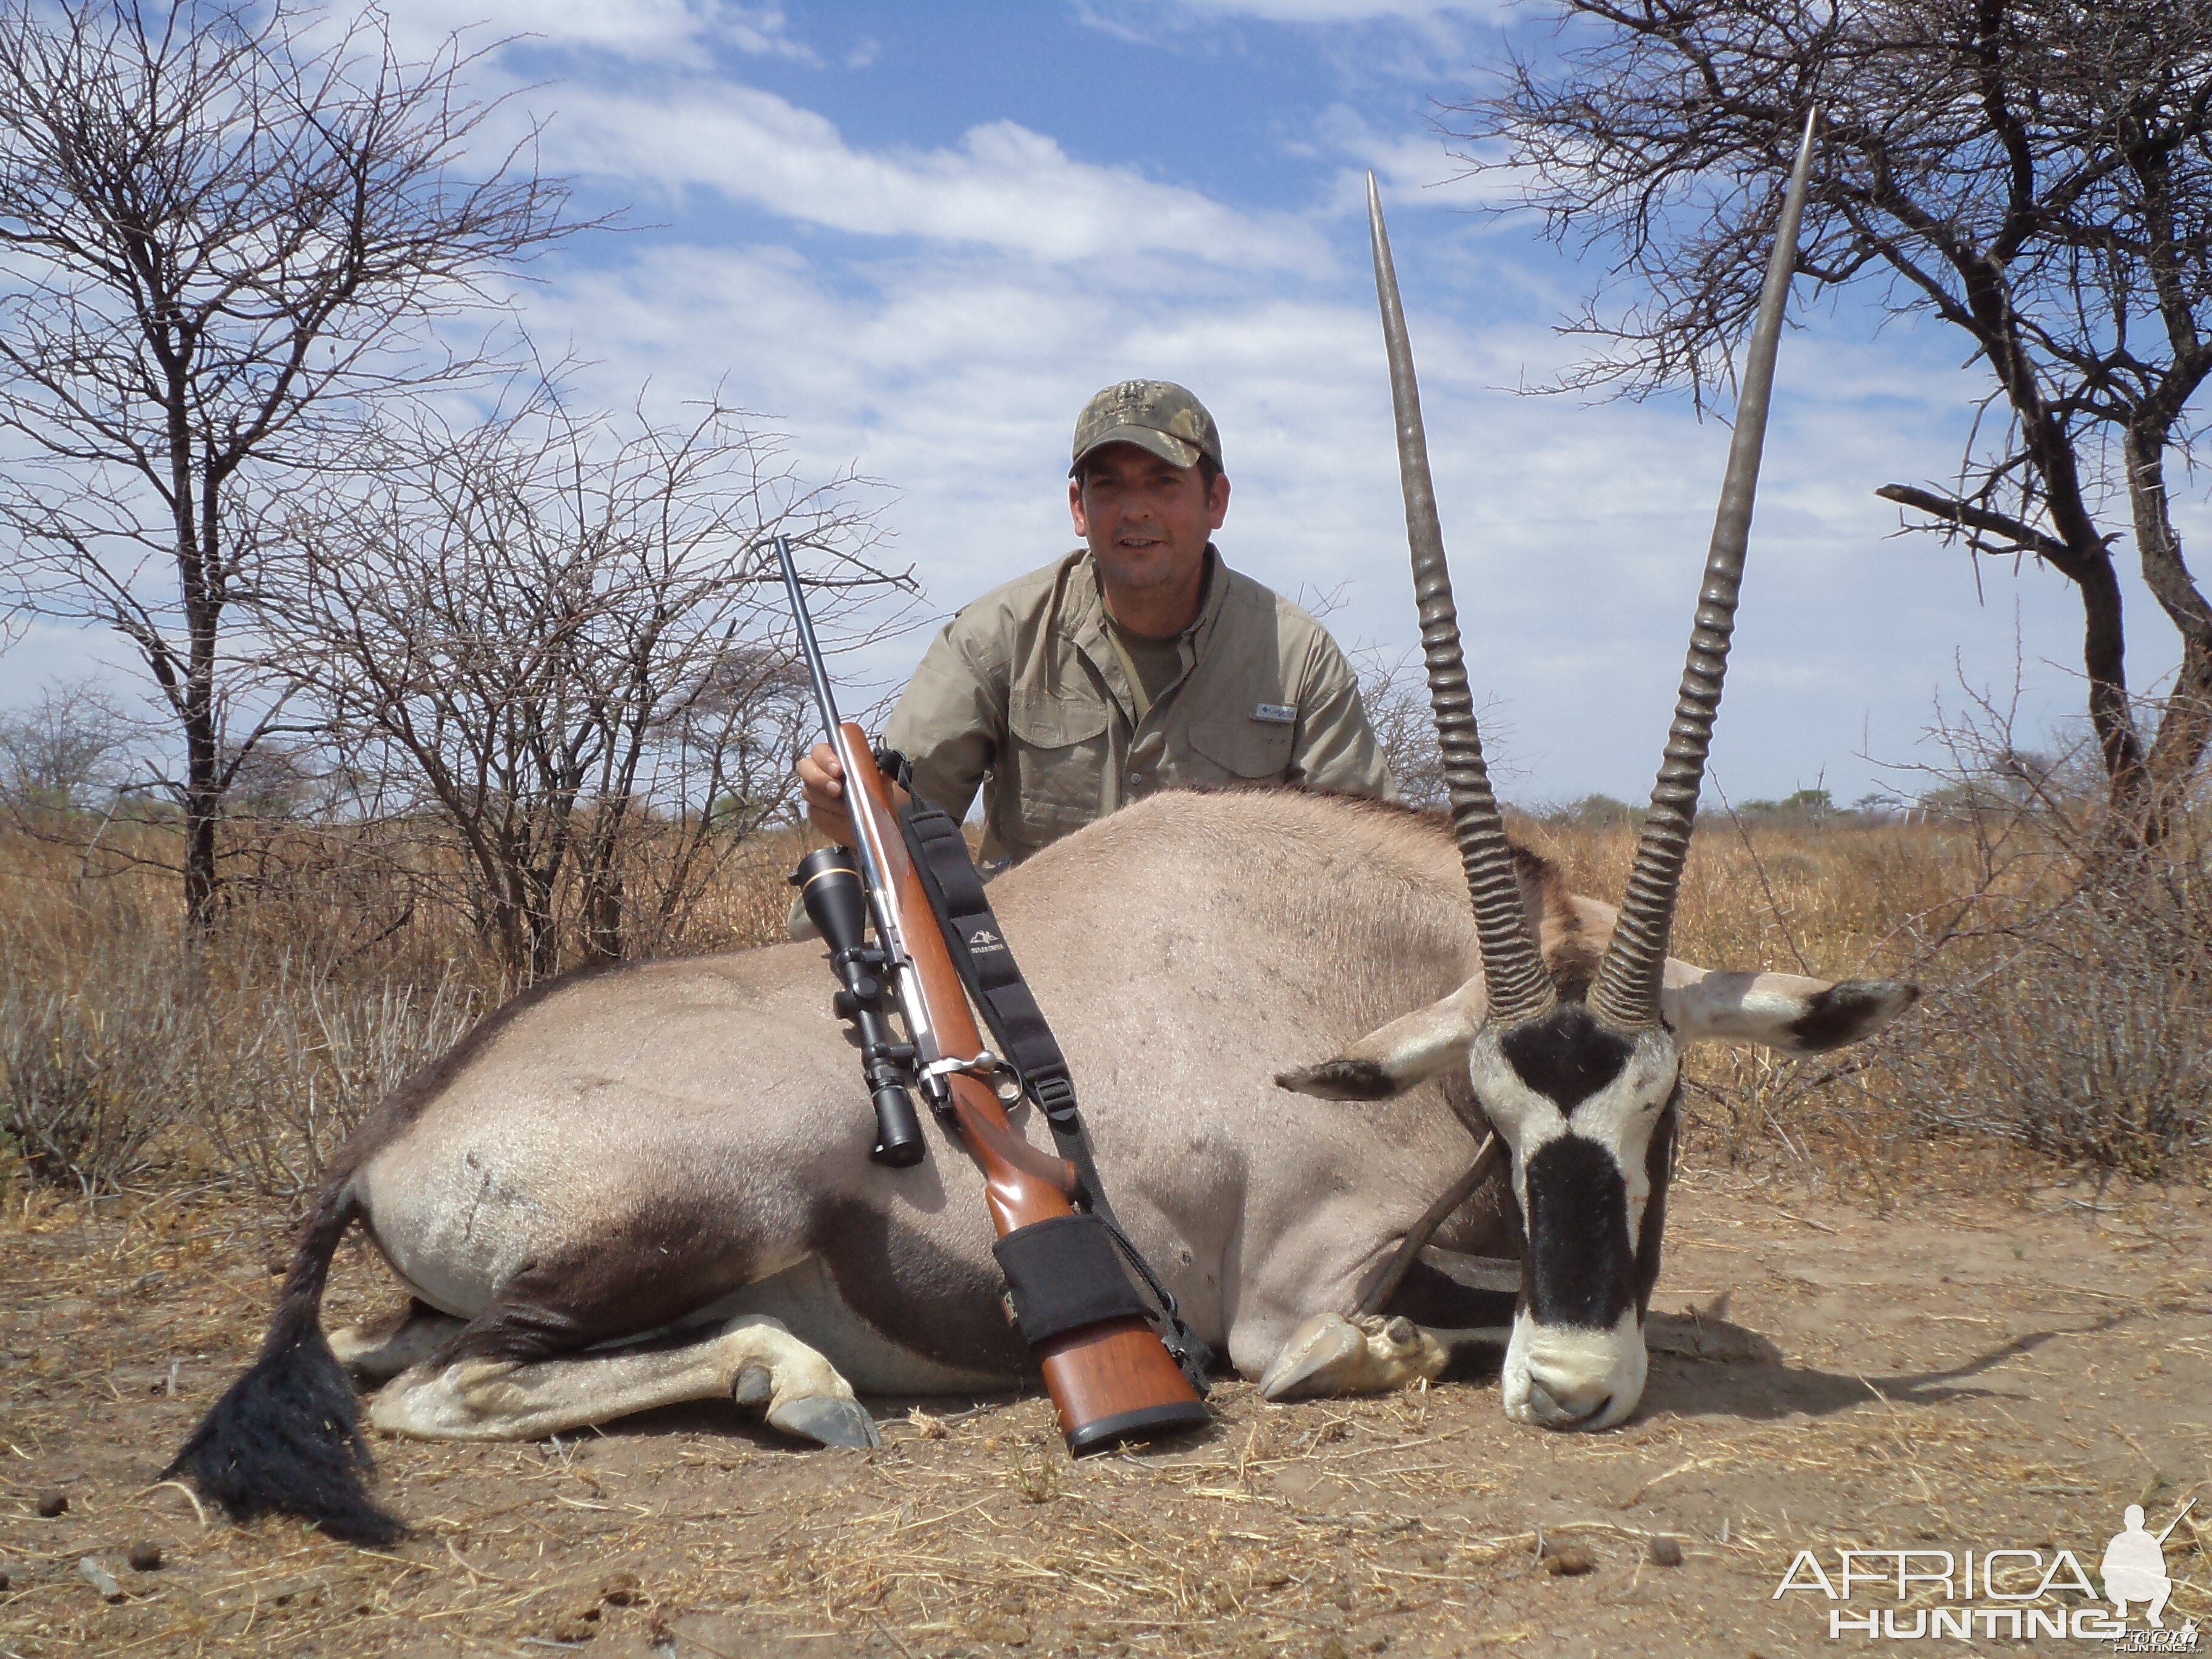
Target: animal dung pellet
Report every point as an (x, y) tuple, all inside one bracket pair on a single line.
[(145, 1556), (100, 1578), (51, 1504), (1567, 1560), (1666, 1552), (581, 1622)]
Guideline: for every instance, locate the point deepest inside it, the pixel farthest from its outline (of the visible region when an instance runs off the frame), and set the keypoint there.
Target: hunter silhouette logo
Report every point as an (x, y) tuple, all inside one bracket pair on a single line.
[(2134, 1567), (984, 941)]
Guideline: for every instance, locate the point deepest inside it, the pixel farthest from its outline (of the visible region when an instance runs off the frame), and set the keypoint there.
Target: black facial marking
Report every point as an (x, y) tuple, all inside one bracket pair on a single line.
[(1566, 1056), (1844, 1012), (1340, 1079), (1659, 1170), (1581, 1267)]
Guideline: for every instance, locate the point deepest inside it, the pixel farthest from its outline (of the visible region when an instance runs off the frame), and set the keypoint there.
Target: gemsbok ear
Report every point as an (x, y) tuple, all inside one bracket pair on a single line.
[(1787, 1012), (1408, 1051)]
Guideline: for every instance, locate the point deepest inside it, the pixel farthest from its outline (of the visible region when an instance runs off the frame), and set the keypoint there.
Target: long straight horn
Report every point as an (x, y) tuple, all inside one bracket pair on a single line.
[(1513, 972), (1626, 993)]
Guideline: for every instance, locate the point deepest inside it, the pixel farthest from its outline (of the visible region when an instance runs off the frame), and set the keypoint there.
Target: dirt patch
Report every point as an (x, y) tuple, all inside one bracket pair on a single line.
[(1962, 1373)]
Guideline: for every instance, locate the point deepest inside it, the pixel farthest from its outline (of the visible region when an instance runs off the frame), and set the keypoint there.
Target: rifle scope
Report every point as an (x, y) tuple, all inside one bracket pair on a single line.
[(829, 882)]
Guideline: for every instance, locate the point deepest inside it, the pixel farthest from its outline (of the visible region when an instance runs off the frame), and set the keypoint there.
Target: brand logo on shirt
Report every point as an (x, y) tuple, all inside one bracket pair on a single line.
[(1277, 714), (984, 941)]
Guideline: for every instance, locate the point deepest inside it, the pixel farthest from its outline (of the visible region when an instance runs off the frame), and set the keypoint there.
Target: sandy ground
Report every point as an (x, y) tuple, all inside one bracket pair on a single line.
[(1997, 1372)]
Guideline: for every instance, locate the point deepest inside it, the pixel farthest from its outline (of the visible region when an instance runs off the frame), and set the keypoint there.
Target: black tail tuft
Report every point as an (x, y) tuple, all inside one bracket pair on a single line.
[(285, 1438)]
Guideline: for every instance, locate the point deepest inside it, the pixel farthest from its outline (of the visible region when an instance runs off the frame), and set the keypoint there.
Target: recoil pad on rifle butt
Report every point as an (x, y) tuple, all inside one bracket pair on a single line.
[(837, 901)]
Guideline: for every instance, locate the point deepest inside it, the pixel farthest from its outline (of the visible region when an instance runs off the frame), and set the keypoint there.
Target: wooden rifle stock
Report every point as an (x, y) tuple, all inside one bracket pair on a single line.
[(1113, 1381)]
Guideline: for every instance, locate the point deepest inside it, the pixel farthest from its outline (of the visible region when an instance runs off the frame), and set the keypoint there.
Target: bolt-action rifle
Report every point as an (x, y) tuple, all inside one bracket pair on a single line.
[(1111, 1377)]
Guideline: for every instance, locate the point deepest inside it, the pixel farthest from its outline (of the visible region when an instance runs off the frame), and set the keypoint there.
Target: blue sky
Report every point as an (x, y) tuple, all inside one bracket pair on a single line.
[(916, 237)]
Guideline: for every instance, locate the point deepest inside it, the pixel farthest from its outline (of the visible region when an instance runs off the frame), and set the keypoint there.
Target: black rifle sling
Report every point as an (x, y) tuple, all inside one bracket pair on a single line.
[(1026, 1044)]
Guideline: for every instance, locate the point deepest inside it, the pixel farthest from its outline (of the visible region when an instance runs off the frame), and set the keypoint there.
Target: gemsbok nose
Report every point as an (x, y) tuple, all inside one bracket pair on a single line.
[(1564, 1378)]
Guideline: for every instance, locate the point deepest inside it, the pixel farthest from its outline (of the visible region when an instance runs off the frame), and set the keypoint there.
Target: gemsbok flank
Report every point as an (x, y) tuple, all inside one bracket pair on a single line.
[(651, 1183)]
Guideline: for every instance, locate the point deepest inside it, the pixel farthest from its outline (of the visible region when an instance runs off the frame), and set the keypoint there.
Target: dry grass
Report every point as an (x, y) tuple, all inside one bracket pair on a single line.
[(127, 1057)]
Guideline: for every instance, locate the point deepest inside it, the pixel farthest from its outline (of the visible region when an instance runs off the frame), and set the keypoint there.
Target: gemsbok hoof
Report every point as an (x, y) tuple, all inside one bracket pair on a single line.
[(1332, 1355), (826, 1422)]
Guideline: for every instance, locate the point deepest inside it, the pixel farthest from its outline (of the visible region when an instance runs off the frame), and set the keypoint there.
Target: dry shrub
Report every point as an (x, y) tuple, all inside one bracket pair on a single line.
[(2067, 1017), (122, 1054), (2071, 1011), (284, 1071), (341, 963), (93, 1057), (2067, 1008)]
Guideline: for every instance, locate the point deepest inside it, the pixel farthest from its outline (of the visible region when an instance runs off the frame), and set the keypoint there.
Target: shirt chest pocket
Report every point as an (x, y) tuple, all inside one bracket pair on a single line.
[(1239, 751), (1059, 754)]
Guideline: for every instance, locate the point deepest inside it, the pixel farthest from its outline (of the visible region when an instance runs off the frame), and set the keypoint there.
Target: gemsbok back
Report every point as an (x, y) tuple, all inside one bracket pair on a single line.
[(651, 1183)]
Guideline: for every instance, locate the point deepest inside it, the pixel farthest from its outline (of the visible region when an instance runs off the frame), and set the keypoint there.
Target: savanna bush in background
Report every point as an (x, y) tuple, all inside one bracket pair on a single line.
[(2070, 1011), (129, 1055), (125, 1054)]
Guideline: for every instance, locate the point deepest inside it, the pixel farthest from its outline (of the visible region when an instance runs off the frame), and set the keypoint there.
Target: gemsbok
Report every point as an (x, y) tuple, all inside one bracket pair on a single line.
[(651, 1183)]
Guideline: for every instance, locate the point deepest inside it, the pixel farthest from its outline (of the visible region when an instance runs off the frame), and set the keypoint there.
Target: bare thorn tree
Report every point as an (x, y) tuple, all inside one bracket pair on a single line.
[(559, 635), (68, 754), (2036, 173), (220, 221)]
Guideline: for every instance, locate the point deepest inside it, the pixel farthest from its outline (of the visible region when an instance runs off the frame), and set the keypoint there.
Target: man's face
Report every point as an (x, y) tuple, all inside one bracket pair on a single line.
[(1147, 520)]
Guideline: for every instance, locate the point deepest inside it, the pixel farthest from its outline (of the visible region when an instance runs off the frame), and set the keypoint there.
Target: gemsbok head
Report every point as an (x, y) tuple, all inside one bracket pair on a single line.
[(1584, 1092)]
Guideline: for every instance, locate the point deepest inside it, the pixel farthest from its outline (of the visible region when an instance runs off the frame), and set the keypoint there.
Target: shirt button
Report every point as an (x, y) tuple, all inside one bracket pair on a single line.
[(1136, 780)]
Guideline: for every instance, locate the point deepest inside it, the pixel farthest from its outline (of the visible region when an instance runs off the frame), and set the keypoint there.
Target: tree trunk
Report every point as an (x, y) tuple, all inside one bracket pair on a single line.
[(200, 586), (2112, 715), (2185, 726)]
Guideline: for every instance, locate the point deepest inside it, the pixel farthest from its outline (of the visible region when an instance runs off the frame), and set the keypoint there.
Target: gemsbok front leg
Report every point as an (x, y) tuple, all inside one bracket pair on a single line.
[(752, 1360)]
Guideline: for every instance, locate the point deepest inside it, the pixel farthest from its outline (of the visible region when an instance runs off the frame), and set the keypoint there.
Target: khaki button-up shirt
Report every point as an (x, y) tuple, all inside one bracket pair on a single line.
[(1023, 687)]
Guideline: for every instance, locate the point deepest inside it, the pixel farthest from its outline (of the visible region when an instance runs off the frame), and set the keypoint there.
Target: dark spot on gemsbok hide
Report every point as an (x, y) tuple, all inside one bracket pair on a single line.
[(939, 1306), (1566, 1056), (1580, 1265)]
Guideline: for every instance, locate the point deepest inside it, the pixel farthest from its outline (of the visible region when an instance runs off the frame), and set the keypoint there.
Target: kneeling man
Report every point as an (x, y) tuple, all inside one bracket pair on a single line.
[(1137, 663)]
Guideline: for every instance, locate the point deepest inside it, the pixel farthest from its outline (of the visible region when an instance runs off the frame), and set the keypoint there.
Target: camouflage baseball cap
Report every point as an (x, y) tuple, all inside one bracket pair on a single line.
[(1155, 415)]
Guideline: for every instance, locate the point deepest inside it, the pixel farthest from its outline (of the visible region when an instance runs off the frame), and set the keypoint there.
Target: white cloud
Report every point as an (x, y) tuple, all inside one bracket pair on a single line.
[(1576, 532), (1003, 185), (637, 30), (1340, 11), (1187, 12)]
